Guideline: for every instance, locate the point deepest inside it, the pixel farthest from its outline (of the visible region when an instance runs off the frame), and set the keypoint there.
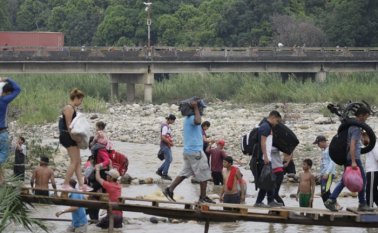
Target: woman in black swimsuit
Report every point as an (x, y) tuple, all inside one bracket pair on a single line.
[(68, 114)]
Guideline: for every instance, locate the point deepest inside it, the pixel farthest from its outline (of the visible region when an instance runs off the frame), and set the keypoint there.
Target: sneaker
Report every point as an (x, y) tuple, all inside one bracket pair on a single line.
[(260, 205), (331, 205), (166, 177), (206, 199), (364, 208), (85, 188), (168, 194), (159, 173), (273, 204)]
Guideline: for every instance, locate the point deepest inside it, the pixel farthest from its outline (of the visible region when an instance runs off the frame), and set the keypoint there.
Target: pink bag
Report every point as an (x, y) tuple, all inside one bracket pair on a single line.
[(352, 179)]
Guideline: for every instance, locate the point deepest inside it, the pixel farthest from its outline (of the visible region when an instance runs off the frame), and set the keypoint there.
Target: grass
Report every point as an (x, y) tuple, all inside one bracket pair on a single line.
[(43, 96)]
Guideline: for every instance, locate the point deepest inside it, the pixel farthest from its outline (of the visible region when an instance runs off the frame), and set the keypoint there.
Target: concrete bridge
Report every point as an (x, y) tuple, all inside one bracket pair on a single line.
[(137, 65)]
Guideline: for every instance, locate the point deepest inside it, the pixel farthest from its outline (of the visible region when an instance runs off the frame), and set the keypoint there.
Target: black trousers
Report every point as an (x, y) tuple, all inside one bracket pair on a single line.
[(217, 178), (371, 188)]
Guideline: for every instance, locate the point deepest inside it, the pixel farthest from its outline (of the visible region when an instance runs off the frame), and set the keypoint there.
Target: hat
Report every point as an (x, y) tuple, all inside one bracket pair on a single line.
[(113, 173), (229, 159), (171, 117), (44, 159), (220, 142), (319, 138)]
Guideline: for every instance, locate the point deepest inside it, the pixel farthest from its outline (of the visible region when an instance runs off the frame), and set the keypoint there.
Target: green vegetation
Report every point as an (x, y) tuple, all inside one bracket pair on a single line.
[(198, 22), (13, 210), (43, 97), (267, 88)]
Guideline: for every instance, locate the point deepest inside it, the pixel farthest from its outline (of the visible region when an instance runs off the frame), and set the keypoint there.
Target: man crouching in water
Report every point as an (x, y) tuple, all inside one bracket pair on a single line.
[(231, 177), (41, 176)]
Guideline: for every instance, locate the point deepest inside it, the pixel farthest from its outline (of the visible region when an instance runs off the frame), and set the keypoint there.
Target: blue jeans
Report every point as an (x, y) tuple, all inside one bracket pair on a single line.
[(340, 186), (4, 146), (167, 160)]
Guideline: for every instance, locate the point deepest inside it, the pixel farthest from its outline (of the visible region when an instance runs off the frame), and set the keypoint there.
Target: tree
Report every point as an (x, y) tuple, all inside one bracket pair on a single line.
[(78, 19), (5, 22), (32, 16), (117, 24), (292, 32)]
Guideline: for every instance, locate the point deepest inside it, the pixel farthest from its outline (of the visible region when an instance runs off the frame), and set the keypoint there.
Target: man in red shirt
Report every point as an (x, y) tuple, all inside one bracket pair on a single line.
[(114, 190), (216, 161)]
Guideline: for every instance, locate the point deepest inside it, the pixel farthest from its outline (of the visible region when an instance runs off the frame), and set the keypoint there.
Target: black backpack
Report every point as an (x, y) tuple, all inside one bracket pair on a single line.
[(338, 148), (249, 142)]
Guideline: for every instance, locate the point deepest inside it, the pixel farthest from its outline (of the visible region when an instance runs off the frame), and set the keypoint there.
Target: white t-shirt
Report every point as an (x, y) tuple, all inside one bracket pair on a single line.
[(166, 130), (372, 160)]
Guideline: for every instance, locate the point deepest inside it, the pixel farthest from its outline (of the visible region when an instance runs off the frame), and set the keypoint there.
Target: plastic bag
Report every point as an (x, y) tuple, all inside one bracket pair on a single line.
[(267, 180), (81, 130), (352, 179)]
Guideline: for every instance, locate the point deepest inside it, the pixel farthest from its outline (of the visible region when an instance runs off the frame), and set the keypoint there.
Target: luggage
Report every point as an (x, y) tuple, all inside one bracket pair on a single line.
[(284, 139), (119, 161)]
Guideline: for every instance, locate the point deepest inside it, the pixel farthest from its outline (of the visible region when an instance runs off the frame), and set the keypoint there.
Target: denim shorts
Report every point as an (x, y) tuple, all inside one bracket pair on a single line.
[(4, 146)]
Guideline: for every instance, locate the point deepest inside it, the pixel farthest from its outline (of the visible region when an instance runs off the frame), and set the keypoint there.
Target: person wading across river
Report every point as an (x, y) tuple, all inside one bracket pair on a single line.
[(195, 160)]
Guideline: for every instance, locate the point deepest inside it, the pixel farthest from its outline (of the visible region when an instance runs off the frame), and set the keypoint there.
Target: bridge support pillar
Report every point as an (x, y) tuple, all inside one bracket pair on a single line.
[(130, 92), (320, 77), (130, 80), (148, 83), (114, 90)]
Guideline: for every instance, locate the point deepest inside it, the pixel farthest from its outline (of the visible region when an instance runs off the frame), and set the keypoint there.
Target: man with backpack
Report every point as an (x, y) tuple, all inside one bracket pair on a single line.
[(166, 142), (264, 143), (353, 160)]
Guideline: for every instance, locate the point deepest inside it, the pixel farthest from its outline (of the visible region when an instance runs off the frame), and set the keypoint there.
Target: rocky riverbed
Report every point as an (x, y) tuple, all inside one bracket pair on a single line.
[(138, 123)]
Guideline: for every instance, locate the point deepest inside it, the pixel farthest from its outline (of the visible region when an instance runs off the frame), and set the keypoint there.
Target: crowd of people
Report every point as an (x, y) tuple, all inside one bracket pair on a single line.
[(204, 159)]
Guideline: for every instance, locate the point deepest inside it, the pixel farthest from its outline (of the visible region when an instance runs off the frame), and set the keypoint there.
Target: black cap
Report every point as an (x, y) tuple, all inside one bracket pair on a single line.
[(171, 117), (229, 159), (320, 138)]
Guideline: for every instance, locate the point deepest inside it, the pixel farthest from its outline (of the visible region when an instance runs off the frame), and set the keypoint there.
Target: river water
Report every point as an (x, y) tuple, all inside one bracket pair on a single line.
[(143, 164)]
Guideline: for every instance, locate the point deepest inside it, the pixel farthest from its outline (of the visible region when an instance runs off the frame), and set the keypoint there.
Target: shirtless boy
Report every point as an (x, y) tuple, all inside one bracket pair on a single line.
[(306, 187), (41, 176), (231, 176)]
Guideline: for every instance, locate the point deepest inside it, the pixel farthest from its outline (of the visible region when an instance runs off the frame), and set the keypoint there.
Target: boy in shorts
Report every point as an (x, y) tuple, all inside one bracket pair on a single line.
[(306, 187)]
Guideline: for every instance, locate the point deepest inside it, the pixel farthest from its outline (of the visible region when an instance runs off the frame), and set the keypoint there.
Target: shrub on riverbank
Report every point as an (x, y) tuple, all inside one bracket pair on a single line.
[(43, 96)]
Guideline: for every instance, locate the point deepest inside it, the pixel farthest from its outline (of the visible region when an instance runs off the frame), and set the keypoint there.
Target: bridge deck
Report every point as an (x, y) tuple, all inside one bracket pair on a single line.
[(220, 212)]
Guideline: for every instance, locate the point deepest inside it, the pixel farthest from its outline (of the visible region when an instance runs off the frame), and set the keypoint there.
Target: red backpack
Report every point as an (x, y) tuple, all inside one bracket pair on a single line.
[(119, 161)]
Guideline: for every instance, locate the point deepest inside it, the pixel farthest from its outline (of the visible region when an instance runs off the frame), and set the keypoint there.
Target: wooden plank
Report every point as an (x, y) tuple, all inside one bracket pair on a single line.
[(365, 216)]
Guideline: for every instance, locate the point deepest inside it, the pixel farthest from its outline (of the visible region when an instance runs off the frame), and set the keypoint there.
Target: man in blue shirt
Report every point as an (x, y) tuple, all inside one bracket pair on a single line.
[(79, 218), (353, 160), (195, 160), (8, 93), (265, 140)]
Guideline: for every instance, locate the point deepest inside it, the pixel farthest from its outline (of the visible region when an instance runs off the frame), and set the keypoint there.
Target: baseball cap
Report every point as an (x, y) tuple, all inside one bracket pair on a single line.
[(113, 173), (221, 142), (229, 159), (320, 138)]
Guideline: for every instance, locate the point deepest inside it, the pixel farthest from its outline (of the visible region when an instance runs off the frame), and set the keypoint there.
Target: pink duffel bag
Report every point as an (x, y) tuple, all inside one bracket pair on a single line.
[(353, 179)]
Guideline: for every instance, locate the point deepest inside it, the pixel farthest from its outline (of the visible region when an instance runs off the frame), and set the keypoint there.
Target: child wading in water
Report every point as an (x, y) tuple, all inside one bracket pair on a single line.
[(231, 177), (306, 187)]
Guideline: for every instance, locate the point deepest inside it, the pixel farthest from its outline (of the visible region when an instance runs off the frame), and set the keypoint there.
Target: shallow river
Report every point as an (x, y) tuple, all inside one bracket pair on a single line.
[(143, 164)]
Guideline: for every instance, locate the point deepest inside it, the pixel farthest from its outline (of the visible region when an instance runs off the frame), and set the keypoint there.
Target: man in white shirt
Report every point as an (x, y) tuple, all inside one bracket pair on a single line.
[(371, 172)]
